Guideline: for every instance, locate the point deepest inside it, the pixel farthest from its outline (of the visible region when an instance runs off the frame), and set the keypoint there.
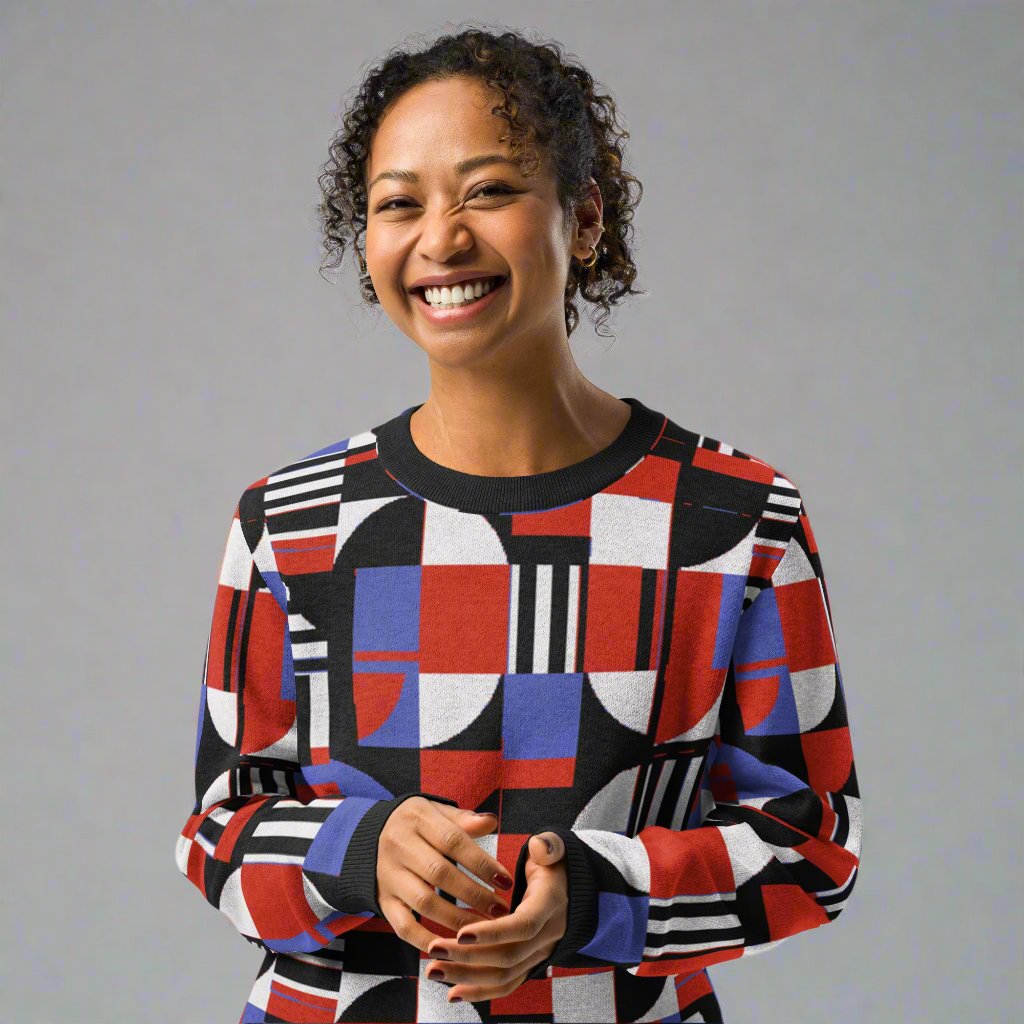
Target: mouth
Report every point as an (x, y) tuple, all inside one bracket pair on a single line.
[(464, 311)]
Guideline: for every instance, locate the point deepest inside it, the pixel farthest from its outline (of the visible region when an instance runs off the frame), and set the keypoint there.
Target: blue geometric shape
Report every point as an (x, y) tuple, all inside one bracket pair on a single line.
[(753, 778), (759, 633), (729, 608), (541, 715), (386, 616), (327, 851), (402, 727), (621, 928), (348, 779)]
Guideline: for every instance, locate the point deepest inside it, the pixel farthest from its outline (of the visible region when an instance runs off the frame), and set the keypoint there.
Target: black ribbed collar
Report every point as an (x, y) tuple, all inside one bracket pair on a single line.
[(469, 492)]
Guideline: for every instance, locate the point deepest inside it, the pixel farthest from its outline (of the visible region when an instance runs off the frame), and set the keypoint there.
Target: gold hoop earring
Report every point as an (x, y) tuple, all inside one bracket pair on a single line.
[(592, 260)]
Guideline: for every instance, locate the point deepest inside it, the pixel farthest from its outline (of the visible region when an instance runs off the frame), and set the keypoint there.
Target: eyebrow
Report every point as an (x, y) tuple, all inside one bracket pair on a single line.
[(461, 168)]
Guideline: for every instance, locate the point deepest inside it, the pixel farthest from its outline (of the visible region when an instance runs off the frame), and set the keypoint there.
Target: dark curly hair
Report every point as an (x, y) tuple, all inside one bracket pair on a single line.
[(549, 102)]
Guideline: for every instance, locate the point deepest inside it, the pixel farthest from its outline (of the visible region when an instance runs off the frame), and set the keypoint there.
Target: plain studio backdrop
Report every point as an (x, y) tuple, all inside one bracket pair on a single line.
[(831, 235)]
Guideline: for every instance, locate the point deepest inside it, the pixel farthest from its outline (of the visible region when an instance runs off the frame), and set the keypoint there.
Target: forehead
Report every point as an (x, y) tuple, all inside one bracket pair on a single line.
[(435, 124)]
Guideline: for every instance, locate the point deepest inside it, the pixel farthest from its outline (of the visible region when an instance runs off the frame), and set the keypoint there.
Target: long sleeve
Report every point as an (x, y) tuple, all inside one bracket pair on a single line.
[(290, 869), (778, 849)]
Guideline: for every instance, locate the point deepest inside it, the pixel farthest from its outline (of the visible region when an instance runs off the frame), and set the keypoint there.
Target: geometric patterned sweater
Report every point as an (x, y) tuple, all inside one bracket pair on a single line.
[(634, 651)]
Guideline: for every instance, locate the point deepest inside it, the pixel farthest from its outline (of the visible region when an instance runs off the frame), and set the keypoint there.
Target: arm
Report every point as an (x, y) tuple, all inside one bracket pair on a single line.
[(290, 869), (778, 852)]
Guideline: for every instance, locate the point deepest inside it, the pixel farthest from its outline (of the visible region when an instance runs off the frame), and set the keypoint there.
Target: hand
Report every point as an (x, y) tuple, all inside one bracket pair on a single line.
[(412, 852), (506, 950)]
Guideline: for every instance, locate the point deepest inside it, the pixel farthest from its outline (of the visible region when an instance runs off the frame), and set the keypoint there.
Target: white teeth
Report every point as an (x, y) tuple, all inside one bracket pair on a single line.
[(460, 294)]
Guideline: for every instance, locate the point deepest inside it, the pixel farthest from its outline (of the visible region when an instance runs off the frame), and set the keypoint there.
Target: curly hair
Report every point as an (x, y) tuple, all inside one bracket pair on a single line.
[(549, 102)]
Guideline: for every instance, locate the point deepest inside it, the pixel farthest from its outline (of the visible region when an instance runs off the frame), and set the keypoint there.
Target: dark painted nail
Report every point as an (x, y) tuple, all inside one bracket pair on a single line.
[(503, 881), (438, 954), (455, 999), (464, 940), (435, 974), (497, 909)]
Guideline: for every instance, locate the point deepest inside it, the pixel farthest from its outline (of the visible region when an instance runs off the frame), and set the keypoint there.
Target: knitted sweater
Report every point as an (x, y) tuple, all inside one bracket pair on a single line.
[(634, 651)]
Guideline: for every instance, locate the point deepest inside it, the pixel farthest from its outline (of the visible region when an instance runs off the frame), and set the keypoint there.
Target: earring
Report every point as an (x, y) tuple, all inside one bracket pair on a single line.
[(592, 260)]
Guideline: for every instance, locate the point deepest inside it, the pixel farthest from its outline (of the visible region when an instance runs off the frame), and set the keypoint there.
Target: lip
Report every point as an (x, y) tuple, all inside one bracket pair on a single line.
[(458, 314)]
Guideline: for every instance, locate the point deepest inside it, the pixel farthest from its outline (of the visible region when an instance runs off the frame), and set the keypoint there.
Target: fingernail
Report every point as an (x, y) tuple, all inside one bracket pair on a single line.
[(455, 999), (497, 909), (486, 814), (438, 954), (547, 844), (435, 974), (469, 937), (503, 881)]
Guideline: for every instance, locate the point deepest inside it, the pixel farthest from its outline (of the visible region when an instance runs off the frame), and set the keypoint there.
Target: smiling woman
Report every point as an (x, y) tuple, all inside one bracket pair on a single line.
[(526, 696), (497, 129)]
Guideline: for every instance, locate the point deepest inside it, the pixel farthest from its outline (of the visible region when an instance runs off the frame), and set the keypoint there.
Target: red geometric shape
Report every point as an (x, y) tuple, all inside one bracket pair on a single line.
[(297, 557), (655, 479), (830, 858), (542, 773), (691, 863), (789, 909), (570, 521), (692, 684), (804, 625), (464, 618), (266, 716), (730, 465), (613, 615), (466, 776), (298, 1005), (375, 695), (756, 697), (829, 757), (275, 918)]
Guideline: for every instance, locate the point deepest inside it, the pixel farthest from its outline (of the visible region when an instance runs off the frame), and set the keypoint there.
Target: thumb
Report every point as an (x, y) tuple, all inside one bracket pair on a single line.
[(546, 847)]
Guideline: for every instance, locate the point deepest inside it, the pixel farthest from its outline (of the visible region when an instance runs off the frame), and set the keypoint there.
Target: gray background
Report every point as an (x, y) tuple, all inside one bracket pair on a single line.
[(831, 236)]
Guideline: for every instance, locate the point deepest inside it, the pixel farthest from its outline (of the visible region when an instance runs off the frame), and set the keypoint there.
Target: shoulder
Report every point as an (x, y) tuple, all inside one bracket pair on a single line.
[(714, 462), (315, 469), (310, 479)]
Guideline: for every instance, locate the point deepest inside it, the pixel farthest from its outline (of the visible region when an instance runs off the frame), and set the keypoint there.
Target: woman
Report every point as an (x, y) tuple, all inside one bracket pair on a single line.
[(526, 697)]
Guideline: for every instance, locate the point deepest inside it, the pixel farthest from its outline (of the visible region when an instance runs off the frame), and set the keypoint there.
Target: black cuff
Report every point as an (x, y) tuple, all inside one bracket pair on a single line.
[(581, 923), (354, 889)]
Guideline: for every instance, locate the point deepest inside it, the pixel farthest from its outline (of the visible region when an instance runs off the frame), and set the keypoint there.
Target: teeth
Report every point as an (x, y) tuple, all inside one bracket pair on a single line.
[(460, 294)]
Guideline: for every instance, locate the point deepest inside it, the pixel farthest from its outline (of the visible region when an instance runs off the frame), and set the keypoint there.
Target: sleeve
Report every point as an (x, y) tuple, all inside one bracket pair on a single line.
[(778, 849), (291, 870)]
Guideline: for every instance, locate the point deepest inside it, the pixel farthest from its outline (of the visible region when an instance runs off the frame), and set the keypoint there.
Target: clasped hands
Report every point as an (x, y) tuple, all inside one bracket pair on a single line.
[(494, 950)]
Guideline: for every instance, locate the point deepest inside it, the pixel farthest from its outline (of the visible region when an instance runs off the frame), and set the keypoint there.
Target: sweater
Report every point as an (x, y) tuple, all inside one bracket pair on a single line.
[(634, 651)]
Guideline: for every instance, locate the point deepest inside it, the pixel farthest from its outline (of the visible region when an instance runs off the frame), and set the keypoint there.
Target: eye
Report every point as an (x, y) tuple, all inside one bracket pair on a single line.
[(495, 187)]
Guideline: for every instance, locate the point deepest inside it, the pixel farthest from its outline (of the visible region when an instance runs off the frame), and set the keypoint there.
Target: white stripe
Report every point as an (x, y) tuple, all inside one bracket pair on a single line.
[(292, 829), (542, 619), (305, 469), (513, 616), (305, 486), (572, 612), (673, 924)]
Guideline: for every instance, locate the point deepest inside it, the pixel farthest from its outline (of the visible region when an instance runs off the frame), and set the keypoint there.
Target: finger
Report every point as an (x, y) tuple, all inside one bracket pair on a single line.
[(450, 838), (407, 928), (477, 990), (437, 871), (546, 847), (523, 923), (420, 898)]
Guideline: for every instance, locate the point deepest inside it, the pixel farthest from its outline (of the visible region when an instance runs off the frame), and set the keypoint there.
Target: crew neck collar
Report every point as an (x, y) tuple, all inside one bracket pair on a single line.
[(470, 492)]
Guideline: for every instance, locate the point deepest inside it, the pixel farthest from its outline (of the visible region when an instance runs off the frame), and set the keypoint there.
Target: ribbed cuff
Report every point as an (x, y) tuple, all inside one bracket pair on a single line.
[(581, 922), (354, 889)]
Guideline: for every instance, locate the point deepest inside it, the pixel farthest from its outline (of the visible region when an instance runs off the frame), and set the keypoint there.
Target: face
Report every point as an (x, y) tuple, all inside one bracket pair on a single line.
[(481, 221)]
